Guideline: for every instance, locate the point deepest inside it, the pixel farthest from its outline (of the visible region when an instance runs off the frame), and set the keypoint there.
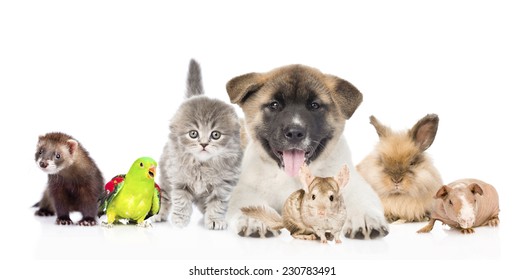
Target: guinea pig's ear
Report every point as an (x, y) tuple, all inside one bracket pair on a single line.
[(343, 177), (442, 192), (381, 129), (242, 87), (305, 176), (424, 131), (72, 145), (475, 189)]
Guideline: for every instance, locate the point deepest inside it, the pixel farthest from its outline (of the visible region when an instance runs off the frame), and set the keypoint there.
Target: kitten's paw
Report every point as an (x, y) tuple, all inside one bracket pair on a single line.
[(249, 227), (216, 224), (180, 220), (64, 221), (365, 226), (44, 213), (87, 222), (160, 217)]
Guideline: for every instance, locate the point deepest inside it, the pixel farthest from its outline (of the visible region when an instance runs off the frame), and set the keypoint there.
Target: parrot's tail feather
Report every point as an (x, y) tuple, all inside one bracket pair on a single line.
[(194, 81)]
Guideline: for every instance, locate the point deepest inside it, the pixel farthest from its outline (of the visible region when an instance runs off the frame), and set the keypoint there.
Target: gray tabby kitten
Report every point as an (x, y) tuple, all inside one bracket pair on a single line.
[(201, 161)]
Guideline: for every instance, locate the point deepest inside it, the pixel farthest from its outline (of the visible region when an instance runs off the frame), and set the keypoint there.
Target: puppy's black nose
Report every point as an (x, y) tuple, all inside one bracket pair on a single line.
[(43, 164), (294, 133)]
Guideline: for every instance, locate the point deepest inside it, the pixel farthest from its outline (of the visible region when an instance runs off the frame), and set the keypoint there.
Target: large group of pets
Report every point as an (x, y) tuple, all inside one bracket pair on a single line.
[(286, 164)]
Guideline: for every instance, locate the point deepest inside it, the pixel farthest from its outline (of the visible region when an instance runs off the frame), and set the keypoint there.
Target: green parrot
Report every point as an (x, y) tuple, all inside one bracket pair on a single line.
[(133, 197)]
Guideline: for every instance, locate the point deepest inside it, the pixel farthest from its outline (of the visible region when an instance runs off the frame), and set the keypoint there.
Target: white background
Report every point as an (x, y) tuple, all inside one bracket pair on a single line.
[(112, 73)]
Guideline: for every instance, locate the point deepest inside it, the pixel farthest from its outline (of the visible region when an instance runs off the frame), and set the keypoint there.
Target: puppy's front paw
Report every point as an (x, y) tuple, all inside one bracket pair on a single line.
[(365, 226), (249, 227)]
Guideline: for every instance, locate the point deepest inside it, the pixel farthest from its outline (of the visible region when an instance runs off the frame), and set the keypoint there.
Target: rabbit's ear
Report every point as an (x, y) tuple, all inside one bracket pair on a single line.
[(381, 129), (424, 131)]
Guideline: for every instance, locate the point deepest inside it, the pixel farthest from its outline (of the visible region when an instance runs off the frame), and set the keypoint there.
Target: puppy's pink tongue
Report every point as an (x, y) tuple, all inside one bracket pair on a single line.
[(293, 159)]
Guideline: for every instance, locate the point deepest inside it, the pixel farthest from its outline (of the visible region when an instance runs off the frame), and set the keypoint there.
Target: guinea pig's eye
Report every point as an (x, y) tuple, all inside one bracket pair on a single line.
[(57, 155), (313, 196), (331, 198), (193, 134), (450, 202)]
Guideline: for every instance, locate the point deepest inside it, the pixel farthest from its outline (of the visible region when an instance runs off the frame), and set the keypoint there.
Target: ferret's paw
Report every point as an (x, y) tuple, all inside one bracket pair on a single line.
[(249, 227), (64, 221), (215, 224), (44, 213), (87, 222), (365, 226)]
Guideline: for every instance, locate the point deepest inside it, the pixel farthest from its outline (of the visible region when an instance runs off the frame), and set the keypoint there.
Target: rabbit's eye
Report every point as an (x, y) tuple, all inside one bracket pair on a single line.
[(313, 196)]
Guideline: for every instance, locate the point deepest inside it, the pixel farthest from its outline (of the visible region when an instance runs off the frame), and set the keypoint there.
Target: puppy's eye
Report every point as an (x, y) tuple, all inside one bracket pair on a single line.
[(193, 134), (314, 106), (215, 135), (274, 106), (331, 198), (57, 155), (313, 196)]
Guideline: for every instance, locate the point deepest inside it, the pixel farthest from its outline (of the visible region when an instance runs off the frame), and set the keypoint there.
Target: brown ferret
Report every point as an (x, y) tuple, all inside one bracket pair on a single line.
[(74, 181)]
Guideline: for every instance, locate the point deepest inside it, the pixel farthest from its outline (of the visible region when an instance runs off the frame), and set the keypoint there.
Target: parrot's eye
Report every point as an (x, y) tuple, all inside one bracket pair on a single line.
[(141, 164), (194, 134), (215, 135), (57, 155)]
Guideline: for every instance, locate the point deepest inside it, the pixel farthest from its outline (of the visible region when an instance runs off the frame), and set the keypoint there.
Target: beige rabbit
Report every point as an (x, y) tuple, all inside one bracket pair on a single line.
[(400, 171)]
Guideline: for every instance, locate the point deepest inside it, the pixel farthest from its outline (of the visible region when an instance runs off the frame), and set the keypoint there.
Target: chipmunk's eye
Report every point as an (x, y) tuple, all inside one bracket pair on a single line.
[(331, 198), (313, 196)]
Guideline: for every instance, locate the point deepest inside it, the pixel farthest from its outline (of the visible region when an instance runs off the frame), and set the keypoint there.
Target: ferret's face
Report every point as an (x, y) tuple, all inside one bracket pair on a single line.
[(51, 158)]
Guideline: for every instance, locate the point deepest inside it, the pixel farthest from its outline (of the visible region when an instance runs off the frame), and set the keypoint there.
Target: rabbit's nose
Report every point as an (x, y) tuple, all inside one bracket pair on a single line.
[(397, 180)]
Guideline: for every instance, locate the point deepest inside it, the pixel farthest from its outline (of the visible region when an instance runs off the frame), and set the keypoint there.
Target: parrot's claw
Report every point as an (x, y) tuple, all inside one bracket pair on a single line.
[(144, 224), (106, 225)]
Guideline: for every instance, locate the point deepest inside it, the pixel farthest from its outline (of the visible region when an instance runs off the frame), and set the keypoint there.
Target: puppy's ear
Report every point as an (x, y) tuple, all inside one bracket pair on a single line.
[(242, 87), (346, 97)]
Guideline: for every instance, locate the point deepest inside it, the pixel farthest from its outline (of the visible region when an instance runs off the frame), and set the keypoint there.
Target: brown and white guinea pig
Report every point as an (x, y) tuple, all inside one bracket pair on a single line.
[(465, 204), (316, 211), (401, 172)]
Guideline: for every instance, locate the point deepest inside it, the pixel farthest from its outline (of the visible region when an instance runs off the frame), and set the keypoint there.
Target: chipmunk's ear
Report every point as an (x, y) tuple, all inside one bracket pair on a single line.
[(305, 176)]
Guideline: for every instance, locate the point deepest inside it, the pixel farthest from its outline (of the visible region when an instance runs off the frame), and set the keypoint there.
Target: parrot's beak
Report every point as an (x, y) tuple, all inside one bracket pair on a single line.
[(152, 171)]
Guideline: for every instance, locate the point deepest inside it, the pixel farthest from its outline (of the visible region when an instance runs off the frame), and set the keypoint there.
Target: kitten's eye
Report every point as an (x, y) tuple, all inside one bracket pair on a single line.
[(314, 106), (57, 155), (313, 196), (215, 135), (141, 165), (331, 198), (194, 134), (274, 106)]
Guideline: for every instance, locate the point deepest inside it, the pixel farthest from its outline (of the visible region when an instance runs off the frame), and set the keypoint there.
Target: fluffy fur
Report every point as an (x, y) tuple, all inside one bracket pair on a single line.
[(201, 161), (74, 181), (400, 171), (297, 110)]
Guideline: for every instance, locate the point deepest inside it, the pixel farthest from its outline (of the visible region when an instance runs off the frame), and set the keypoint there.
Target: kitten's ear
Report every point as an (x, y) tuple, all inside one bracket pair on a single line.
[(72, 145), (242, 87)]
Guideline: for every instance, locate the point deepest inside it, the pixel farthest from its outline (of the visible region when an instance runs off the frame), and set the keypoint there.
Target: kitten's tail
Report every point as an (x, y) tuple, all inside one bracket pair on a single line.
[(194, 81), (266, 215)]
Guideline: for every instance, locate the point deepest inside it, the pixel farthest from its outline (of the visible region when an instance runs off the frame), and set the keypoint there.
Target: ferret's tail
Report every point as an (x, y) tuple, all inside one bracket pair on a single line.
[(265, 214), (194, 81)]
